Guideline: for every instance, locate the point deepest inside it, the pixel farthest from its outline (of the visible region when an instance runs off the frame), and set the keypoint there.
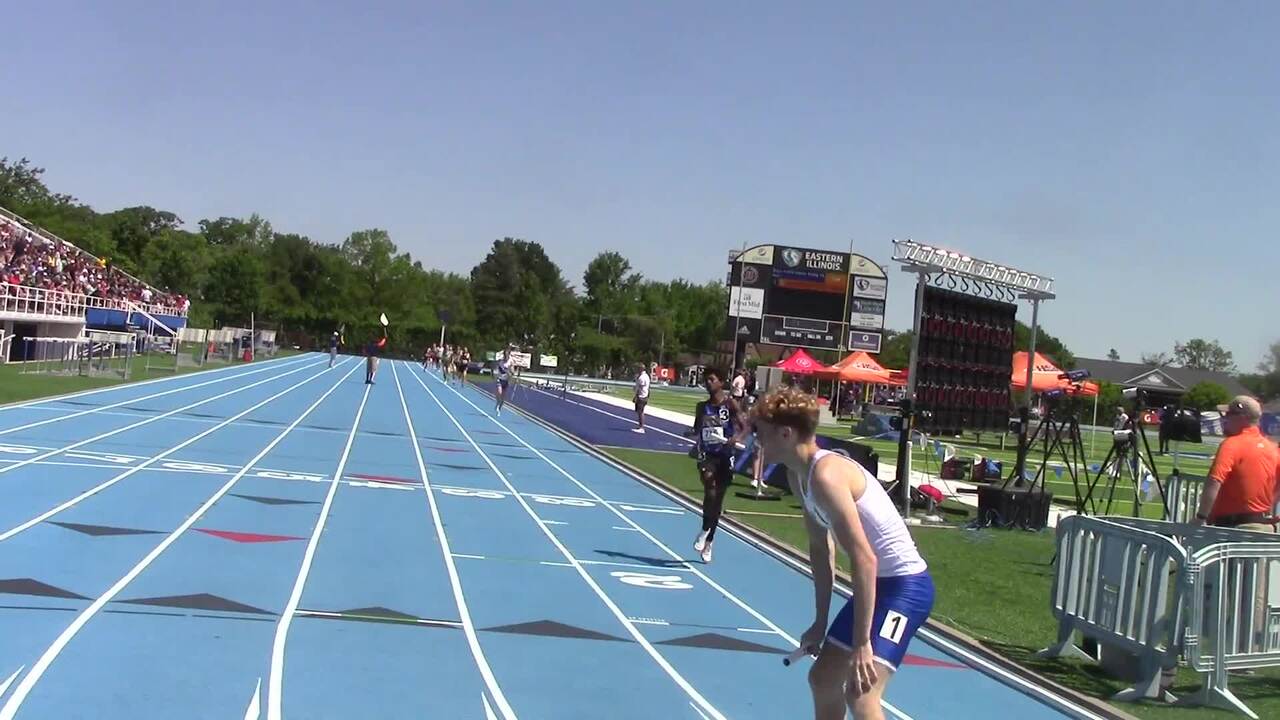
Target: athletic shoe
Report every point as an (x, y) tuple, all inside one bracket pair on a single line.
[(706, 554), (701, 542), (638, 430)]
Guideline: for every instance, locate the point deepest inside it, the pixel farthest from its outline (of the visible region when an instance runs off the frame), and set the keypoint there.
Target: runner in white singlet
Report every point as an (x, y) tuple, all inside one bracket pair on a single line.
[(892, 590)]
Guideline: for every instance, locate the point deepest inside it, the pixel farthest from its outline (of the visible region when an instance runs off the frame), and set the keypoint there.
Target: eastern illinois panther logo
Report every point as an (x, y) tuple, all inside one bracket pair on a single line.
[(792, 257)]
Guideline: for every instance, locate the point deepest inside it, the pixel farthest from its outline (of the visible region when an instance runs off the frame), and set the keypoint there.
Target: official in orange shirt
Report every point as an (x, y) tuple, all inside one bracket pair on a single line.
[(1241, 492)]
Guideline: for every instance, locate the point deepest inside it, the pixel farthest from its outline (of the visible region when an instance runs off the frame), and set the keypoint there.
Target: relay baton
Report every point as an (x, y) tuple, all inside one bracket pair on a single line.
[(796, 655)]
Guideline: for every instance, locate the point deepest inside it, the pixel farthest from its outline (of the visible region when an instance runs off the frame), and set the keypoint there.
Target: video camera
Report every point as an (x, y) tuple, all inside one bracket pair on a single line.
[(1181, 425)]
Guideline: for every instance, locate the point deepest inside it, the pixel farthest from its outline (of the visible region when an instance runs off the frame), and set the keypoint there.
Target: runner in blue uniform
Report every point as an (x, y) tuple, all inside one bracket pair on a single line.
[(718, 427)]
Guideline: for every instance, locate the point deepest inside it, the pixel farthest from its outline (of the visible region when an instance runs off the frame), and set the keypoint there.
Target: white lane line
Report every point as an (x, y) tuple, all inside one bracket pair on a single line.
[(628, 529), (91, 411), (555, 564), (51, 653), (699, 711), (147, 463), (4, 686), (701, 575), (469, 557), (131, 385), (488, 711), (648, 621), (630, 421), (757, 630), (555, 522), (254, 711), (639, 637), (275, 683), (140, 423), (455, 582)]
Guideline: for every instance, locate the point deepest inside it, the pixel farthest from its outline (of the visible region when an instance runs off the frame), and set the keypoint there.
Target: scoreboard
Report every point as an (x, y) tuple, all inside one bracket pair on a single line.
[(784, 295)]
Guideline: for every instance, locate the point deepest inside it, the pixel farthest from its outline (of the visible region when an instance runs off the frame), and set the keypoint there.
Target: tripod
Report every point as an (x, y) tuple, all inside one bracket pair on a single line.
[(1062, 436), (1125, 456)]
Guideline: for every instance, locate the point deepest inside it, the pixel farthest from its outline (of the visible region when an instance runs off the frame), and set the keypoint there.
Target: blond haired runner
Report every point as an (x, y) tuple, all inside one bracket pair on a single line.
[(892, 590)]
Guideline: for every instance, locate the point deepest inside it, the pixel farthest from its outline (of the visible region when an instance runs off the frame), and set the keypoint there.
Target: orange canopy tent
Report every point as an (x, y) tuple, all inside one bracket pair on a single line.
[(862, 368), (1045, 377), (800, 363)]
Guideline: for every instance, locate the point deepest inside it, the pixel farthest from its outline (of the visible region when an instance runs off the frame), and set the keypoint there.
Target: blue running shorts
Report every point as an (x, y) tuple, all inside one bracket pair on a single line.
[(903, 604)]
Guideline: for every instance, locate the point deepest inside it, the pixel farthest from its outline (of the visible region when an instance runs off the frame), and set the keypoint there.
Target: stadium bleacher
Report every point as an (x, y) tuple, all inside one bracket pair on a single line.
[(30, 258)]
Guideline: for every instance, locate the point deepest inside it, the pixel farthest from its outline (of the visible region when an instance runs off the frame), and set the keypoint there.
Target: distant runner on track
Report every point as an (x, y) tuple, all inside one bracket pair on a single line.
[(892, 590), (502, 373), (717, 428), (371, 351)]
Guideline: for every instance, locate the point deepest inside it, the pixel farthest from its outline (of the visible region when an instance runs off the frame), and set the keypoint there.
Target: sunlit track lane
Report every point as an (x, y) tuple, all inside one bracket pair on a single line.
[(28, 487), (170, 566), (73, 407), (530, 602)]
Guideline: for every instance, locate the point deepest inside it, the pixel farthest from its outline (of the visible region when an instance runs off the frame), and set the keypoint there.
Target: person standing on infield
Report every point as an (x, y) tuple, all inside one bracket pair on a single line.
[(717, 427), (641, 398), (502, 373), (892, 590)]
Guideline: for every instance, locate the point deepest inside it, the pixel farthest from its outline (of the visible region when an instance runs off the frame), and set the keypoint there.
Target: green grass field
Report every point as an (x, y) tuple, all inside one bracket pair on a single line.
[(992, 584), (17, 386), (989, 446)]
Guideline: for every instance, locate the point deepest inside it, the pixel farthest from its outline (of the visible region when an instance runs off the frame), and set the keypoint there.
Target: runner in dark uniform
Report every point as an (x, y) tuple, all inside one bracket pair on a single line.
[(717, 426), (371, 350)]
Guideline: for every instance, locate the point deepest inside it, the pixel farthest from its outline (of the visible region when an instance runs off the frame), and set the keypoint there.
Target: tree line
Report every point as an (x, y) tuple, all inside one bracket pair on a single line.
[(232, 268)]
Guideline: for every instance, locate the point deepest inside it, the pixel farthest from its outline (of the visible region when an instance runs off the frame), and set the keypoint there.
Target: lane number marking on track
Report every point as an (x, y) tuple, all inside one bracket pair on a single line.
[(465, 492), (649, 580), (571, 502)]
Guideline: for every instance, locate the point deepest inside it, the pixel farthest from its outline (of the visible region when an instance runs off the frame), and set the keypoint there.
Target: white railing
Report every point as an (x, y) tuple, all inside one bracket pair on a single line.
[(1234, 621), (25, 300), (1112, 584), (1158, 590), (1183, 500)]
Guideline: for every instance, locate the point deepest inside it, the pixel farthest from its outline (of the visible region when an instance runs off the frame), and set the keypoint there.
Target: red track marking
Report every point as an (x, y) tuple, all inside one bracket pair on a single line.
[(930, 662), (247, 537)]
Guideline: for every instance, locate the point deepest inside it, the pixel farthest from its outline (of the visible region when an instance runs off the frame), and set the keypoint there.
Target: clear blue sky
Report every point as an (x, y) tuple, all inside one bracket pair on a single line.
[(1126, 149)]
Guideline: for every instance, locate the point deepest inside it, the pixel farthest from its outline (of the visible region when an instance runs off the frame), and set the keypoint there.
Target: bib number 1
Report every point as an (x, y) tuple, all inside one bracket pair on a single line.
[(893, 627)]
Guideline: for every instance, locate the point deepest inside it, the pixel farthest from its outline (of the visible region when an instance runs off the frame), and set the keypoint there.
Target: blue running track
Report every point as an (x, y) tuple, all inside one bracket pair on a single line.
[(282, 540)]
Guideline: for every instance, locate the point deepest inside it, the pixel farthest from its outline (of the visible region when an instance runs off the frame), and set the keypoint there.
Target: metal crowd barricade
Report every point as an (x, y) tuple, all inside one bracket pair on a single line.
[(1183, 498), (1221, 612), (1112, 584), (1234, 621)]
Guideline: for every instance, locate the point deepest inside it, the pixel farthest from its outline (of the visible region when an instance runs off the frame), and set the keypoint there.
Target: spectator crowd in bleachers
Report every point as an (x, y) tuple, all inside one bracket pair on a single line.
[(31, 259)]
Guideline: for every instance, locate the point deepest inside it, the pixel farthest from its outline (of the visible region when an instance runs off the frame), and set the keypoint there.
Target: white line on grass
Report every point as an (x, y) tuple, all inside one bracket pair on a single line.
[(140, 423), (24, 688), (145, 464), (468, 628), (662, 546), (275, 683), (91, 411), (635, 633)]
